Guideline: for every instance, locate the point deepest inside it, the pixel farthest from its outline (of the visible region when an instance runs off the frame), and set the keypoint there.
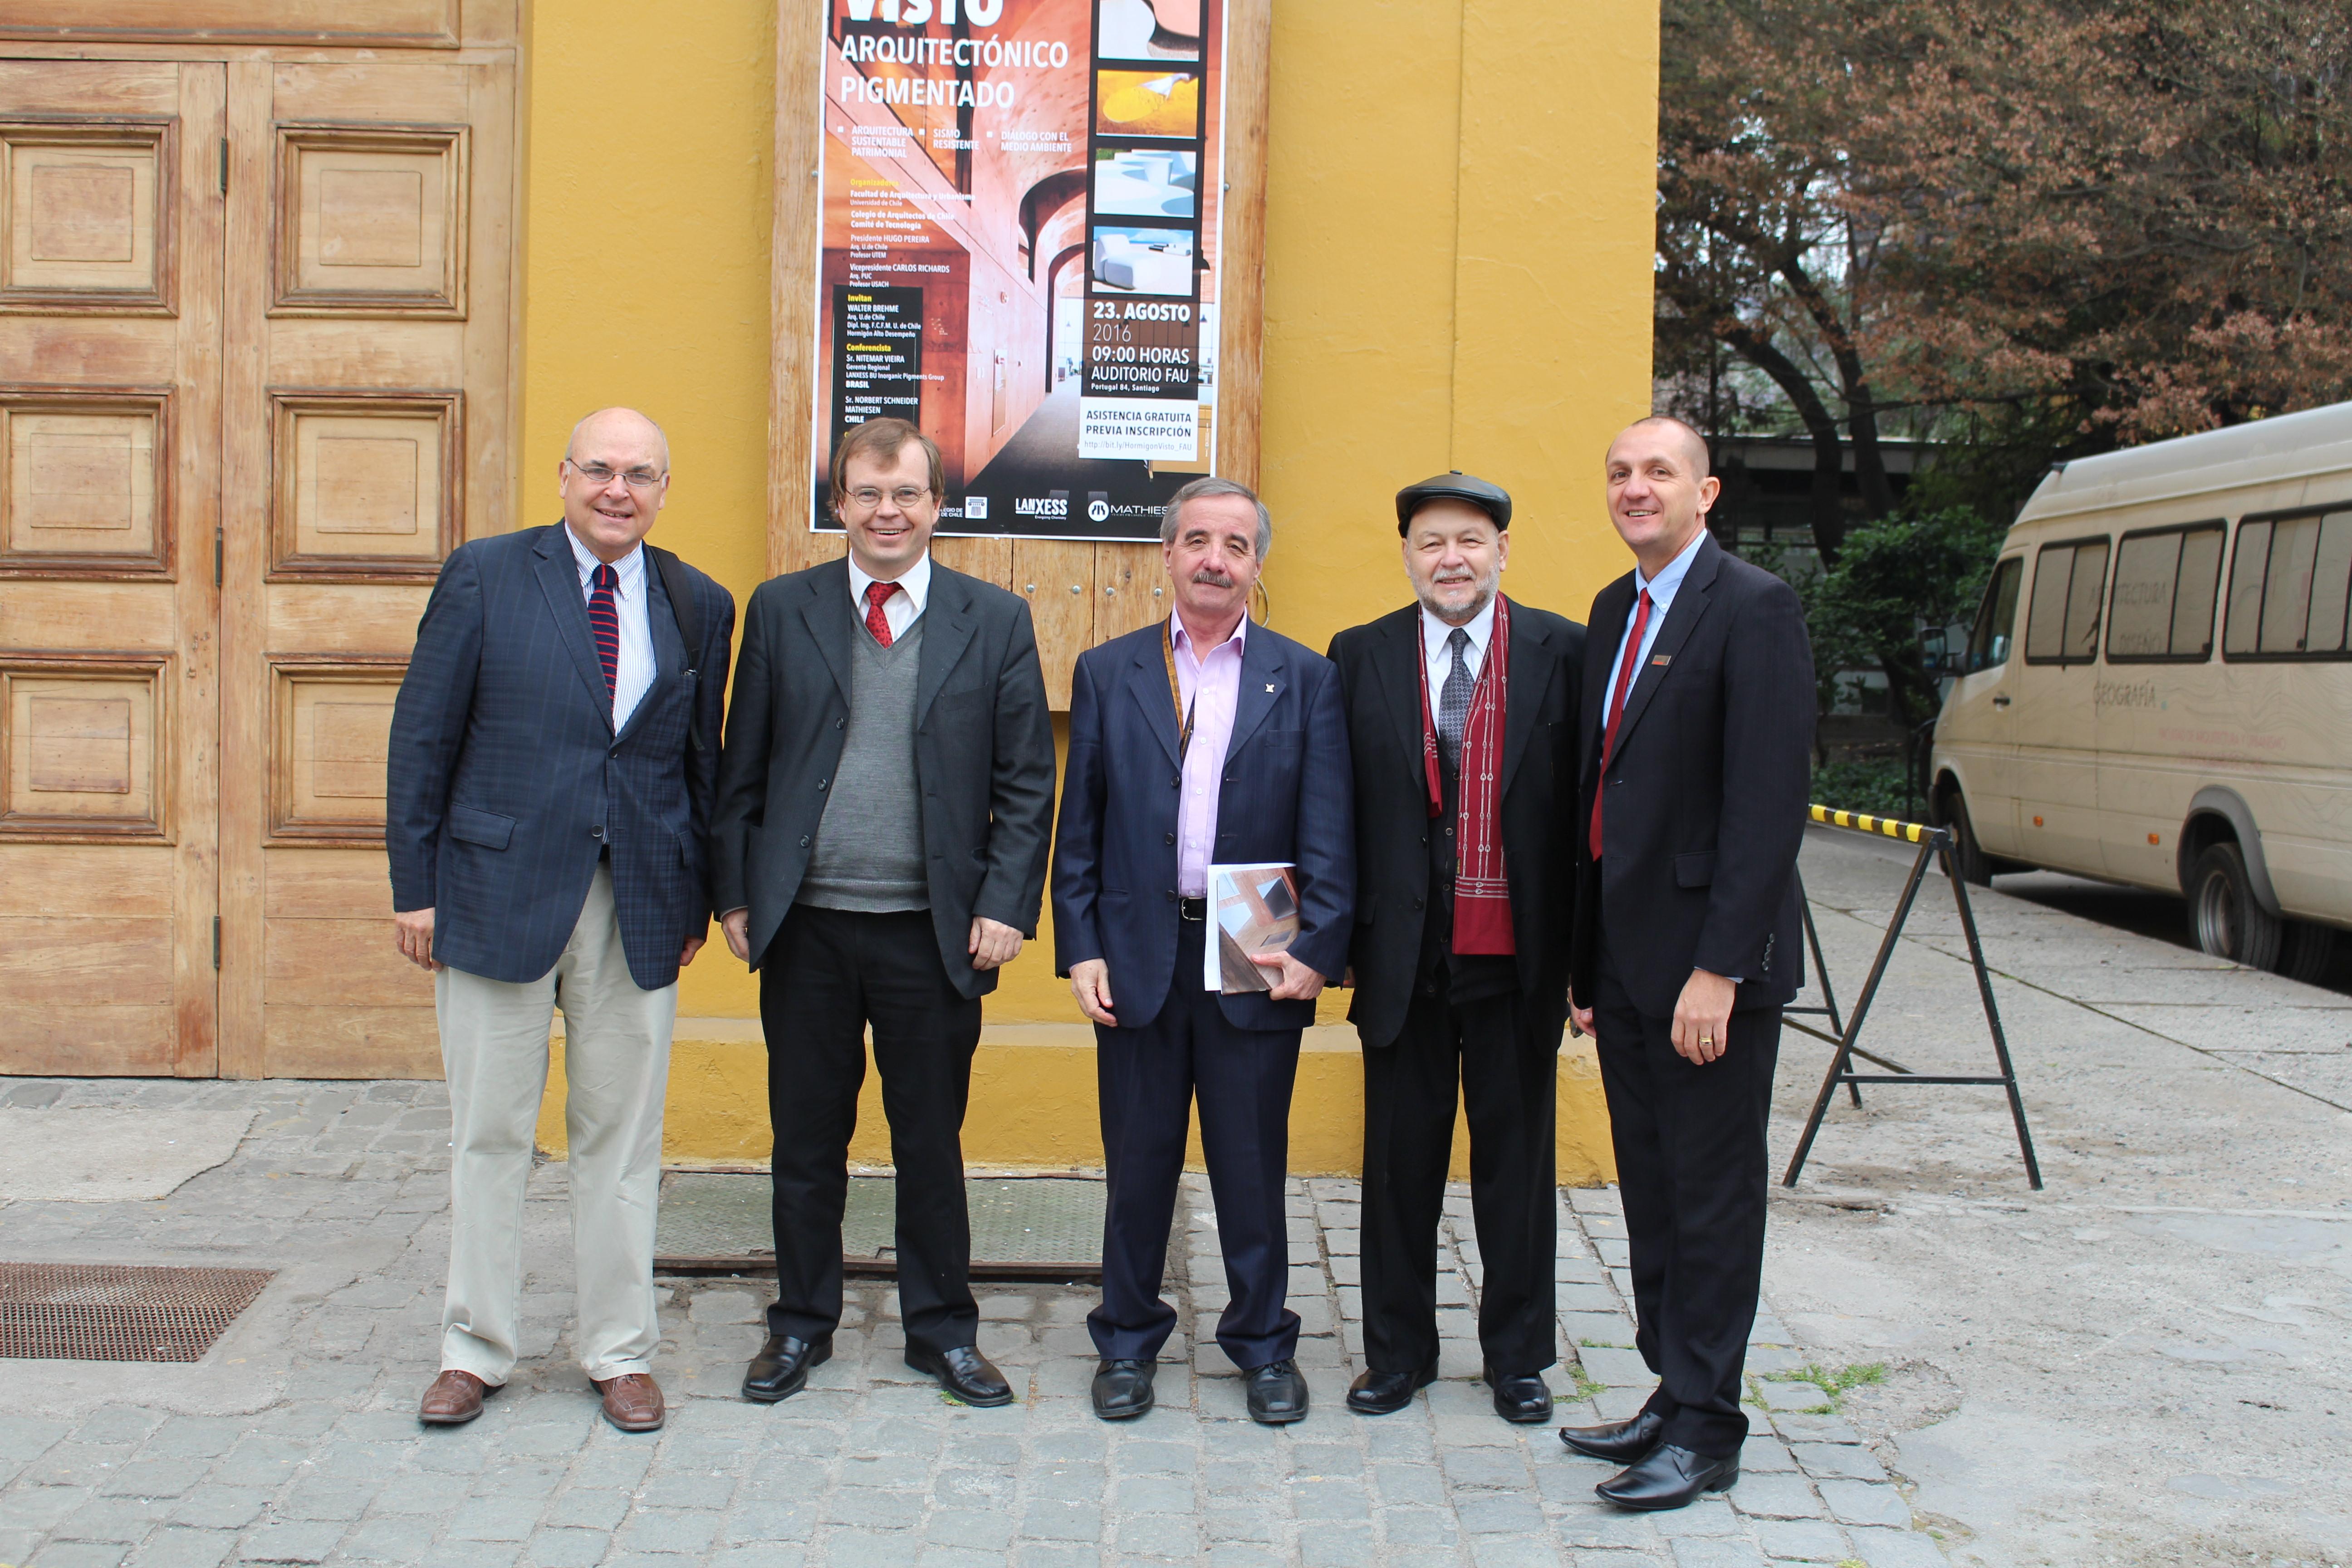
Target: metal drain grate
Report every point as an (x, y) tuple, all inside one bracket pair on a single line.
[(87, 1312)]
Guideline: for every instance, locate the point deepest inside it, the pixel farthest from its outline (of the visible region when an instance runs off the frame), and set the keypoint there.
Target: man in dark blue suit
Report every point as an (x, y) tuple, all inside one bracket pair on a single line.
[(554, 752), (1201, 739)]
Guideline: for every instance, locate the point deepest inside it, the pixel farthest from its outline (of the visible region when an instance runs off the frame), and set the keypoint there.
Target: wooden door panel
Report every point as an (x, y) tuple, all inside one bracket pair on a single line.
[(368, 326), (110, 404)]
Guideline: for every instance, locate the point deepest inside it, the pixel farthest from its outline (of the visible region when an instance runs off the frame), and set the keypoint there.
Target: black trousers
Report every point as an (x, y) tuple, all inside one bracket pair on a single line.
[(828, 975), (1149, 1078), (1507, 1081), (1690, 1144)]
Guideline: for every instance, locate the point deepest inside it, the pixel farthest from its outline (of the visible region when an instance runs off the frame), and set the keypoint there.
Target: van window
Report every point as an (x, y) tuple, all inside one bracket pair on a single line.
[(2289, 586), (2165, 583), (1996, 616), (2062, 625)]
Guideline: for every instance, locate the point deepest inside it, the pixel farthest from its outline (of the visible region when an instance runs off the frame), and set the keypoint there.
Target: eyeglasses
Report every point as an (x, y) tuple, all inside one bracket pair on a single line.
[(903, 498), (599, 476)]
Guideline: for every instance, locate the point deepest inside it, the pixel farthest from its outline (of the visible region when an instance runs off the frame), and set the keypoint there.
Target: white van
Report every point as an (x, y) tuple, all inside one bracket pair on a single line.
[(2177, 712)]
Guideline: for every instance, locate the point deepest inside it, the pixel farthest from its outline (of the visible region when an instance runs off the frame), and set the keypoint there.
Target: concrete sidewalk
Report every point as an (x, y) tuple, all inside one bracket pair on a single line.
[(2143, 1365)]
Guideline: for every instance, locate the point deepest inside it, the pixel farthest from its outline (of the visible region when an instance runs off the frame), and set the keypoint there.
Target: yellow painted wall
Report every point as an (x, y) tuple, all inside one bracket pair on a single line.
[(1458, 253)]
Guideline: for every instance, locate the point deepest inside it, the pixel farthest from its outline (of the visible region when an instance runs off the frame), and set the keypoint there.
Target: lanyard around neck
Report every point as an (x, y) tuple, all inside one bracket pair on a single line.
[(1176, 695)]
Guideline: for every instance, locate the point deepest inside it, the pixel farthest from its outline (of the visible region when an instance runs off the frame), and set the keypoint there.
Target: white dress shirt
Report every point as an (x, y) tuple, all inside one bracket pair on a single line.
[(634, 675), (1440, 657), (900, 609)]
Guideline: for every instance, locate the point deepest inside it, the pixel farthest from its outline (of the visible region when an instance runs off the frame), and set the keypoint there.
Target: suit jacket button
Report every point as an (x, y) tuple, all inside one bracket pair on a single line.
[(804, 840), (596, 832), (841, 723), (1416, 903), (1172, 839), (822, 783)]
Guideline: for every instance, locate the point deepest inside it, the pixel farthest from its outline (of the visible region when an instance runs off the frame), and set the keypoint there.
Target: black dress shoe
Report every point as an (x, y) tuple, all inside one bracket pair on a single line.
[(963, 1372), (1618, 1442), (1123, 1389), (1386, 1393), (1277, 1394), (782, 1368), (1669, 1477), (1520, 1398)]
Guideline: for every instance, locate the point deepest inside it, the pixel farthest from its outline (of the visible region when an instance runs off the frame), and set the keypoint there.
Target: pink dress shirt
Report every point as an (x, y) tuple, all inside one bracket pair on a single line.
[(1212, 687)]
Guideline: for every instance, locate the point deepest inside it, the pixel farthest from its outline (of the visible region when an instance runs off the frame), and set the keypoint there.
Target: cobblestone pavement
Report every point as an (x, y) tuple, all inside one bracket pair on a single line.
[(295, 1439)]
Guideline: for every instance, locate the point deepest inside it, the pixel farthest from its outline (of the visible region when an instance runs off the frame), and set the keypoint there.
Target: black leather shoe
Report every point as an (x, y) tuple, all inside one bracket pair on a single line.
[(1277, 1394), (1618, 1442), (963, 1372), (782, 1368), (1520, 1398), (1123, 1389), (1669, 1477), (1386, 1393)]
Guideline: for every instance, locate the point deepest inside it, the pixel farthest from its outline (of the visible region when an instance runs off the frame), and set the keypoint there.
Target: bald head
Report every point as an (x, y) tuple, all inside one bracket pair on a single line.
[(614, 477), (1659, 489), (1693, 444), (623, 424)]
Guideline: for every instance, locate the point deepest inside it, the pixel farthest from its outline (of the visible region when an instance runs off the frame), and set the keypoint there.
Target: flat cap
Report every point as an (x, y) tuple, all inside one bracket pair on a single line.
[(1454, 485)]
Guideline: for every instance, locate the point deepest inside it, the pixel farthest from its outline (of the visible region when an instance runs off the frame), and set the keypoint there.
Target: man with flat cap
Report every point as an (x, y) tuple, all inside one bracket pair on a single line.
[(1462, 715)]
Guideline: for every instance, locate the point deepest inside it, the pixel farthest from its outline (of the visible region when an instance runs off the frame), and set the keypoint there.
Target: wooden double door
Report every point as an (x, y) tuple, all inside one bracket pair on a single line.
[(255, 341)]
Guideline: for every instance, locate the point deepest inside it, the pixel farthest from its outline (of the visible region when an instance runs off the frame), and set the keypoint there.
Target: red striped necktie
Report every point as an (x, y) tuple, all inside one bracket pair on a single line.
[(604, 624)]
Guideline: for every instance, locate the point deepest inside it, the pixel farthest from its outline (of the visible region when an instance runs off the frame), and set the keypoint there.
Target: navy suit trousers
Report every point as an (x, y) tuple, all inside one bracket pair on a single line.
[(1149, 1078), (1690, 1146)]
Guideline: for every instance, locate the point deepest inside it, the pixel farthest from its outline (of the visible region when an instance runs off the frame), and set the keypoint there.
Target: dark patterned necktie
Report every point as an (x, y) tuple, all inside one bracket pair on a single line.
[(604, 624), (876, 621), (1454, 699)]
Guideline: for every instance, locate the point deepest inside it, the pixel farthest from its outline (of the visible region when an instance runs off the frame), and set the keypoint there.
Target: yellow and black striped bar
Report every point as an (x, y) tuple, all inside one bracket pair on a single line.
[(1910, 832)]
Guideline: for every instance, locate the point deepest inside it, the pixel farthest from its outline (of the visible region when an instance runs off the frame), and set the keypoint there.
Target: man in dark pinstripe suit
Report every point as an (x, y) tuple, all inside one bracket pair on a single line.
[(553, 756)]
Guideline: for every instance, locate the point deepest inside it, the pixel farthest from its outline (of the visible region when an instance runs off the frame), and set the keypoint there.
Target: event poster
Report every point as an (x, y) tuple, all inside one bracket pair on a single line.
[(1020, 237)]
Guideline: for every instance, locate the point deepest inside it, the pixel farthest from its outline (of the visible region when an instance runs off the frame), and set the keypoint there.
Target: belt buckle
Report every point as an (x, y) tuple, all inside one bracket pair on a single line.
[(1191, 909)]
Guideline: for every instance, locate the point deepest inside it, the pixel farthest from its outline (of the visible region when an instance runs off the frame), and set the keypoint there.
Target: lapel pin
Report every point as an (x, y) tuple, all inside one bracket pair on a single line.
[(1269, 690), (1662, 659)]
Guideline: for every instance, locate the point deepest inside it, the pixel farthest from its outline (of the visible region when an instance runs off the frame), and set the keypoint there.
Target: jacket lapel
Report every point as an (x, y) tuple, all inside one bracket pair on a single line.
[(1690, 604), (947, 632), (1525, 698), (1396, 665), (1610, 608), (559, 579), (669, 649), (1264, 673), (1147, 682), (825, 607)]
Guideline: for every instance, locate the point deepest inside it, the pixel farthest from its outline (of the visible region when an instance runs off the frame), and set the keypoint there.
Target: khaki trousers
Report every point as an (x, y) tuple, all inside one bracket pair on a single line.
[(617, 1064)]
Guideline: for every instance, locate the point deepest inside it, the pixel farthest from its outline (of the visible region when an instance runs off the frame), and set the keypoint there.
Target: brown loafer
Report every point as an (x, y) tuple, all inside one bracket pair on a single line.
[(455, 1399), (633, 1401)]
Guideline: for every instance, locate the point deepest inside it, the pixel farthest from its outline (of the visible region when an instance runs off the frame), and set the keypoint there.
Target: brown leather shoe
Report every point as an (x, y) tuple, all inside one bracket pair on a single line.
[(455, 1399), (633, 1401)]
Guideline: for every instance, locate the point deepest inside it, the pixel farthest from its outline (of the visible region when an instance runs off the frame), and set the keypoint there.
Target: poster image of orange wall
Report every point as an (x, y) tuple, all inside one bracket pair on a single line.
[(1147, 103)]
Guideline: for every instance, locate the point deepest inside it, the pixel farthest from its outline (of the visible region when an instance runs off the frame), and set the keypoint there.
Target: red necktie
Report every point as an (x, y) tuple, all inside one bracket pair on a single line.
[(604, 623), (1617, 711), (876, 621)]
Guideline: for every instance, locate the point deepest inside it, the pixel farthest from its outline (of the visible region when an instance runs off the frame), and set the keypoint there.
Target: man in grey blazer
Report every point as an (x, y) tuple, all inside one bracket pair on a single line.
[(553, 750), (884, 799)]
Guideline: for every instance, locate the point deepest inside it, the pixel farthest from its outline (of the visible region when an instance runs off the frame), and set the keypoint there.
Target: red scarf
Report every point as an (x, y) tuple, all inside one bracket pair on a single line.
[(1482, 895)]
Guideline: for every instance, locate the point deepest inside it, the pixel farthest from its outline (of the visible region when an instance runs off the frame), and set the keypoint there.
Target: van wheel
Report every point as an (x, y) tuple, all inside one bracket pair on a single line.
[(1976, 868), (2222, 914), (2306, 951)]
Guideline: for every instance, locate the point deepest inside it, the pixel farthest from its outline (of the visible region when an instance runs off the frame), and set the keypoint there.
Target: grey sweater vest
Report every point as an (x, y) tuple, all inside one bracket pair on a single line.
[(868, 855)]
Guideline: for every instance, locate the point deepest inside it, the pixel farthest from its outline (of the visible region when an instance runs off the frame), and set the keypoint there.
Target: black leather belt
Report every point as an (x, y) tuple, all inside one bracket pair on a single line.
[(1191, 909)]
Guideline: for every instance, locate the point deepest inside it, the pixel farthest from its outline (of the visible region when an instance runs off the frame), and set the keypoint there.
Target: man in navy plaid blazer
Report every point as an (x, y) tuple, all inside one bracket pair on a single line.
[(554, 752)]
